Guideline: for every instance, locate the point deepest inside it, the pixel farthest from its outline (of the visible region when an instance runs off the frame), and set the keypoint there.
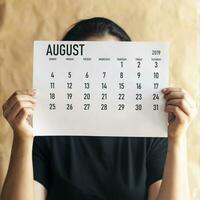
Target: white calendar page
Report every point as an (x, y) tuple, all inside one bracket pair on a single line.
[(100, 88)]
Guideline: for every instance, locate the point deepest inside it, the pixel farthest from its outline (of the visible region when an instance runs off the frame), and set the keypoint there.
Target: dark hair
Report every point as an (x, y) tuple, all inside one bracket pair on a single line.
[(97, 26)]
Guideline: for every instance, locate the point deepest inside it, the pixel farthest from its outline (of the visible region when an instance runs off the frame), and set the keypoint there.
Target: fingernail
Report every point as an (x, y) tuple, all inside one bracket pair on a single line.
[(34, 91), (164, 90)]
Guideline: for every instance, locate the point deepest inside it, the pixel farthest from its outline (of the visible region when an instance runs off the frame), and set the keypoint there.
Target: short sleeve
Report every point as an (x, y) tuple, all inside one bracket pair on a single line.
[(156, 156), (41, 160)]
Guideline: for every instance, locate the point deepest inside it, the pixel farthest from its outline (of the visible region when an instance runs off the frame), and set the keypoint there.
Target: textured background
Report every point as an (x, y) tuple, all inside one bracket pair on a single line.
[(176, 21)]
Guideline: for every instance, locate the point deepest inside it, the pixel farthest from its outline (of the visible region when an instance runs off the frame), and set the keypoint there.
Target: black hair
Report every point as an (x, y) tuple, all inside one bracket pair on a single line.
[(97, 26)]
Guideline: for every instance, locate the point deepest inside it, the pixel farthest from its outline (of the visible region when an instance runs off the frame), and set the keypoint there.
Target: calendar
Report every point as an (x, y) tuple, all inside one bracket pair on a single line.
[(96, 88)]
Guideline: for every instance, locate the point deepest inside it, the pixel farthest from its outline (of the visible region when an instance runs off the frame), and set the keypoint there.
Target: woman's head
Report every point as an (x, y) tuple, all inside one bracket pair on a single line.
[(97, 28)]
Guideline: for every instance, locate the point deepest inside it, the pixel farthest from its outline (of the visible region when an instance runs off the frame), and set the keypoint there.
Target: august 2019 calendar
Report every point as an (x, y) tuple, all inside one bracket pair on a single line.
[(100, 88)]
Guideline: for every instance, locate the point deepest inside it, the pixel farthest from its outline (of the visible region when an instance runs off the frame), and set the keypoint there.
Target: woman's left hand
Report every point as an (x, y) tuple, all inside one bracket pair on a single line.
[(181, 110)]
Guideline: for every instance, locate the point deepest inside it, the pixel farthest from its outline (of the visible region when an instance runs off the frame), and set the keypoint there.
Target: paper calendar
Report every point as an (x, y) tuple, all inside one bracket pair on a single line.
[(100, 88)]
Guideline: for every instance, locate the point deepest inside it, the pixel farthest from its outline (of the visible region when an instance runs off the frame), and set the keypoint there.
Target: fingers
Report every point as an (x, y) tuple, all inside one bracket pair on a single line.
[(23, 114), (176, 111), (16, 100), (20, 92), (178, 93), (179, 102), (21, 101), (20, 105)]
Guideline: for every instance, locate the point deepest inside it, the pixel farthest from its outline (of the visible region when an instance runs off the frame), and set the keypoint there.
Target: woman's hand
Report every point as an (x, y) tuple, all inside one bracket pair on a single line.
[(181, 109), (18, 110)]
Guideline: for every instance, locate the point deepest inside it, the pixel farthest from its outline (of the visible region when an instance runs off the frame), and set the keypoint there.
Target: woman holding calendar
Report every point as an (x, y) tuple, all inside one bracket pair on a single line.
[(114, 168)]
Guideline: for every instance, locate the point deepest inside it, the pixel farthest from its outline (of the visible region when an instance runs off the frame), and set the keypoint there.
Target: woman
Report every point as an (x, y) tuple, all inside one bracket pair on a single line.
[(80, 167)]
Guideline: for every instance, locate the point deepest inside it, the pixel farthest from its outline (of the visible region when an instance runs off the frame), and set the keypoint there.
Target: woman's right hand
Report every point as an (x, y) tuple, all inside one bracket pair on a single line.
[(18, 110)]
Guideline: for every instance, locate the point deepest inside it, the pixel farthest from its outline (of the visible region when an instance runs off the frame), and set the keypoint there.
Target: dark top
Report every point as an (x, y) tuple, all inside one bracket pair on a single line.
[(98, 168)]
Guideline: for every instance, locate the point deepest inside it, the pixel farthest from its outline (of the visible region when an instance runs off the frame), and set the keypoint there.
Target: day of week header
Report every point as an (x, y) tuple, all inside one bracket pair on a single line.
[(65, 49)]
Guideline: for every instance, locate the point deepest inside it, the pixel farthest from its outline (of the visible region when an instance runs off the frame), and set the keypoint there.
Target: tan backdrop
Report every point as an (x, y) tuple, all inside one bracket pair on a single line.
[(176, 21)]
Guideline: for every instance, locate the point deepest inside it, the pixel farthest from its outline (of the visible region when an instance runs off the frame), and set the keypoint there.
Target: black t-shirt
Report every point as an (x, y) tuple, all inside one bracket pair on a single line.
[(98, 168)]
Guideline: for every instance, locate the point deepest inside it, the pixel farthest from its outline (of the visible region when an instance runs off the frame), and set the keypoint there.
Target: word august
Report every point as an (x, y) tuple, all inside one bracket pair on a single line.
[(65, 49)]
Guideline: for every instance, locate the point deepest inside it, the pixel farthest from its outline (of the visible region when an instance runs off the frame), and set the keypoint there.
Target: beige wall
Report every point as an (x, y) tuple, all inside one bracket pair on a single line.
[(23, 21)]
